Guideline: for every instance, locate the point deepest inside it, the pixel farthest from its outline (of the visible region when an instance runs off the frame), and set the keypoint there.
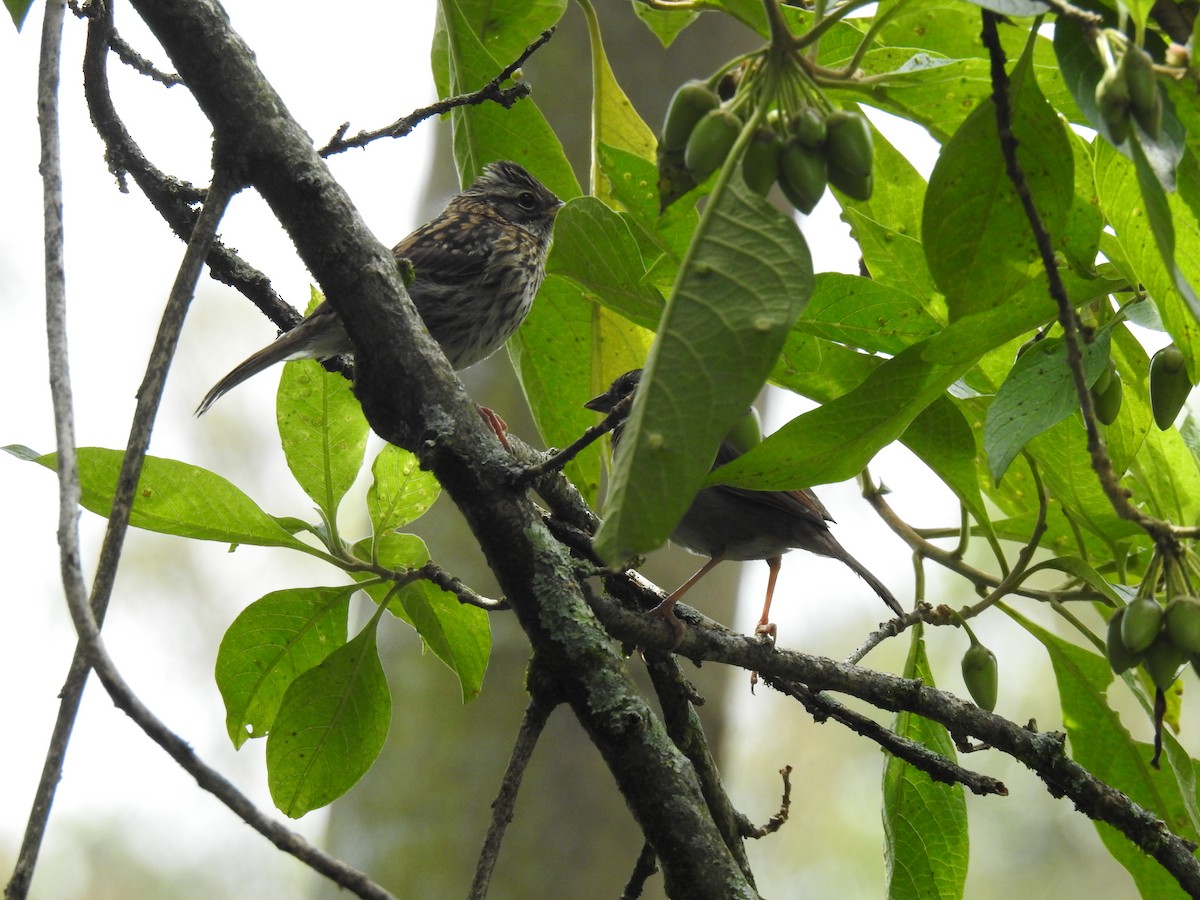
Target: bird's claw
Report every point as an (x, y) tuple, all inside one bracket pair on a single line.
[(666, 612)]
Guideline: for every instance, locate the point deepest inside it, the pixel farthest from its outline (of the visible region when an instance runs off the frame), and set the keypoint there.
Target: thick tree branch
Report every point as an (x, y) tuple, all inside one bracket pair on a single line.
[(434, 417), (1042, 753)]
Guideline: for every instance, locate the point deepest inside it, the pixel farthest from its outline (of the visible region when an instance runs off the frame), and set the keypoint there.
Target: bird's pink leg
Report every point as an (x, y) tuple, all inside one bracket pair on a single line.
[(666, 609), (765, 625), (497, 425)]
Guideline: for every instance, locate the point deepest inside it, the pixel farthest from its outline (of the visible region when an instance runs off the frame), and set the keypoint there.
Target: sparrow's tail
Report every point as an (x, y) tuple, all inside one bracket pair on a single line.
[(876, 585), (263, 359), (319, 336)]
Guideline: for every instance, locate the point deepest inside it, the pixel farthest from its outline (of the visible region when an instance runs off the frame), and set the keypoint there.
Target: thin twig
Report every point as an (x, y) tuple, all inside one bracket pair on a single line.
[(60, 382), (1101, 462), (983, 581), (490, 92), (936, 766), (557, 461), (785, 804), (646, 865), (537, 713)]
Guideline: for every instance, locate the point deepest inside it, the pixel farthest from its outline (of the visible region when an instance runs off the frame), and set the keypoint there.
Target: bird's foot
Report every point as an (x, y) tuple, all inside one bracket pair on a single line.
[(497, 424), (666, 612), (769, 632)]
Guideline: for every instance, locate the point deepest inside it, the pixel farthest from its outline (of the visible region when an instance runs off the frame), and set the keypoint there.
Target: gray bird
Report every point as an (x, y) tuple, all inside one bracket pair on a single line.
[(739, 524)]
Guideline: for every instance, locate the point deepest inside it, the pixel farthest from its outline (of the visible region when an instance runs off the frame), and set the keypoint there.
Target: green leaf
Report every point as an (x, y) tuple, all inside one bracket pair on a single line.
[(594, 247), (747, 277), (323, 431), (559, 369), (978, 241), (270, 643), (664, 24), (1038, 394), (835, 441), (459, 635), (1015, 7), (173, 497), (926, 842), (330, 727), (888, 228), (18, 9), (614, 120), (473, 41), (861, 312), (1141, 227), (401, 491), (1102, 745)]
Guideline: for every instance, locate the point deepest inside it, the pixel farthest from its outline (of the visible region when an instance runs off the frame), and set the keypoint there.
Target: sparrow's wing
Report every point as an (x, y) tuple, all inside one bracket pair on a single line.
[(459, 251), (803, 503)]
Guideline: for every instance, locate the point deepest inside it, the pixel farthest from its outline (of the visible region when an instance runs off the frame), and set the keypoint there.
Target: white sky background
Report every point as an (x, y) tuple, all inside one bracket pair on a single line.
[(327, 72)]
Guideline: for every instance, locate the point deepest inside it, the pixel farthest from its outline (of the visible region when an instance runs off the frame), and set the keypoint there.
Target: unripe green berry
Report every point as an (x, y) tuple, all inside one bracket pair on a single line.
[(691, 101), (802, 175), (1169, 385), (981, 675), (1120, 657), (1145, 100), (809, 128), (1181, 621), (1108, 404), (710, 142), (1141, 624), (1163, 661), (760, 165), (1112, 98)]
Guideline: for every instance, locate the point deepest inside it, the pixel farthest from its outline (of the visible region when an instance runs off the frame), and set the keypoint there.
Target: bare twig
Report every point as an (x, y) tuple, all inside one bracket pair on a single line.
[(785, 804), (60, 382), (983, 581), (1118, 496), (537, 713), (645, 866), (491, 92), (917, 755), (556, 461)]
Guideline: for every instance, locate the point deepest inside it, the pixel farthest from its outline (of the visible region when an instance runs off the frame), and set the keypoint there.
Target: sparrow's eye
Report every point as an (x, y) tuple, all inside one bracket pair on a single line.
[(527, 201)]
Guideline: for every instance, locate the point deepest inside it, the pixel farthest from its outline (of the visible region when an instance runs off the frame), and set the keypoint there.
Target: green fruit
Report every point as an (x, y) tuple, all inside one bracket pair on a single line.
[(1120, 657), (981, 675), (809, 128), (848, 143), (1141, 624), (1112, 97), (1181, 621), (746, 432), (1163, 661), (687, 108), (802, 175), (1145, 101), (710, 142), (856, 186), (1100, 385), (1108, 404), (1169, 385), (760, 165)]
